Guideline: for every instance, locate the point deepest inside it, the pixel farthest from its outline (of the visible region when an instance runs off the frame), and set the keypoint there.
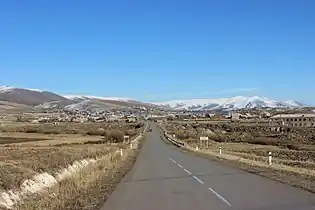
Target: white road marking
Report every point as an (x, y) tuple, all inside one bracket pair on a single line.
[(201, 182), (180, 165), (187, 171), (198, 180), (172, 160), (219, 196)]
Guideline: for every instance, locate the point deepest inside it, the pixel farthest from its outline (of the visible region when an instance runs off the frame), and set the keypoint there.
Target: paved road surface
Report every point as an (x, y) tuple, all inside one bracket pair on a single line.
[(165, 178)]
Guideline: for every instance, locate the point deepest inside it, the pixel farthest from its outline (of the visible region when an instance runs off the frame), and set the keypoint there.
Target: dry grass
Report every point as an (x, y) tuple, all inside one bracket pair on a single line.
[(8, 139), (27, 150), (262, 162), (42, 140), (293, 161), (131, 129), (86, 190), (25, 154), (20, 163), (289, 137), (106, 132)]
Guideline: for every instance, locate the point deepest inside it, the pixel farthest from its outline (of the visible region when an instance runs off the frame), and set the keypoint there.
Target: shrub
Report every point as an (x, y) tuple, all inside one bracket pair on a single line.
[(96, 132), (31, 130), (138, 126), (255, 134), (218, 138), (247, 137), (182, 134), (264, 142), (115, 136), (131, 133), (292, 147), (50, 132)]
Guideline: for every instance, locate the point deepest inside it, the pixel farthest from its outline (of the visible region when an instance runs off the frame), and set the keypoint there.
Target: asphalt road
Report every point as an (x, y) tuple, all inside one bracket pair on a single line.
[(166, 178)]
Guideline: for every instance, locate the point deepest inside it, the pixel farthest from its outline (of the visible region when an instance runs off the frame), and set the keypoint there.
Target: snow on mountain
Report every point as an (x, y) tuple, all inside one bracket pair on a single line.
[(293, 103), (238, 102), (7, 89), (75, 97), (46, 99)]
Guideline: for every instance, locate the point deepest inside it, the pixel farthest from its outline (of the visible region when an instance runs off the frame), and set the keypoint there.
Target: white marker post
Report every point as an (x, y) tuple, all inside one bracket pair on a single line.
[(220, 150), (197, 148), (269, 158), (126, 139), (121, 152), (130, 145)]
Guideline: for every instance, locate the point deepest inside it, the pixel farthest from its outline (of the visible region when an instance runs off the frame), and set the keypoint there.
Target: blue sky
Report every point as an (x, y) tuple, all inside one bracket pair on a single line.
[(160, 50)]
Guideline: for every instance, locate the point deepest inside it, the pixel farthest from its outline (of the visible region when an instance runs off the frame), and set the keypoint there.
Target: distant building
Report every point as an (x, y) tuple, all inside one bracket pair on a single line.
[(235, 117), (297, 120), (131, 119)]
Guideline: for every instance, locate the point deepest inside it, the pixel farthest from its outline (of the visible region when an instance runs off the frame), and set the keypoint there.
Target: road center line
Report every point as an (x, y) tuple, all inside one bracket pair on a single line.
[(201, 182), (219, 196), (198, 180), (187, 171), (172, 160), (180, 165)]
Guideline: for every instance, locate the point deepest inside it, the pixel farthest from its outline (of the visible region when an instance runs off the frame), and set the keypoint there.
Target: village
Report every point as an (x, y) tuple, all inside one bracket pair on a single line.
[(270, 117)]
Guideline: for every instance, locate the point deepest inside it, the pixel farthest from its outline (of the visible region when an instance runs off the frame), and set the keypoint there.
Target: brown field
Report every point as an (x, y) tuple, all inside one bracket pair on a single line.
[(293, 149), (28, 149), (71, 128)]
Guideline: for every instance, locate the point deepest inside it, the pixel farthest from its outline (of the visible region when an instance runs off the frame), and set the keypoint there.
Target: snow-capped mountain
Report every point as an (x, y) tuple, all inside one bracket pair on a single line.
[(83, 97), (47, 100), (8, 89), (238, 102)]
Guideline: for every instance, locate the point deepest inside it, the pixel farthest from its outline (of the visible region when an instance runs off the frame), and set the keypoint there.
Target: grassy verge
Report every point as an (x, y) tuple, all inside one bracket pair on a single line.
[(88, 189), (20, 163), (25, 155)]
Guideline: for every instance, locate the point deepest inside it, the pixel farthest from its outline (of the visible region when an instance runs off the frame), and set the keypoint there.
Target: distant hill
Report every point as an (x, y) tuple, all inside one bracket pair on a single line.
[(83, 102), (28, 96)]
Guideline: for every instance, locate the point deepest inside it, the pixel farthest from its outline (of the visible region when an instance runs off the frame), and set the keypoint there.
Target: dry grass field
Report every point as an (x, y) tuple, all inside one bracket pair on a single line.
[(293, 151), (92, 150)]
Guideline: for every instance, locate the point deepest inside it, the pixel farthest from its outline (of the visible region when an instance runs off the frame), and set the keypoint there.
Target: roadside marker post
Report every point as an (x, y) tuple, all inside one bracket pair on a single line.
[(197, 148), (269, 158), (121, 152), (126, 138), (220, 151)]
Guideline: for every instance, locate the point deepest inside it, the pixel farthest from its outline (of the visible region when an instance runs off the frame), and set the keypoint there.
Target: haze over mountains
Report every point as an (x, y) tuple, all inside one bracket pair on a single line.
[(48, 100)]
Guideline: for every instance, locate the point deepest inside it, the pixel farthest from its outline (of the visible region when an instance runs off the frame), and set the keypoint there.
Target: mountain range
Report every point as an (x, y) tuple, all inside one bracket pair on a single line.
[(238, 102), (47, 100)]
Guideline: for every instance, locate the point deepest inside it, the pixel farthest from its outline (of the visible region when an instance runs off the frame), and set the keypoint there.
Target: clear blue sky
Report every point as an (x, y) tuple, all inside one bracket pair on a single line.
[(161, 49)]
